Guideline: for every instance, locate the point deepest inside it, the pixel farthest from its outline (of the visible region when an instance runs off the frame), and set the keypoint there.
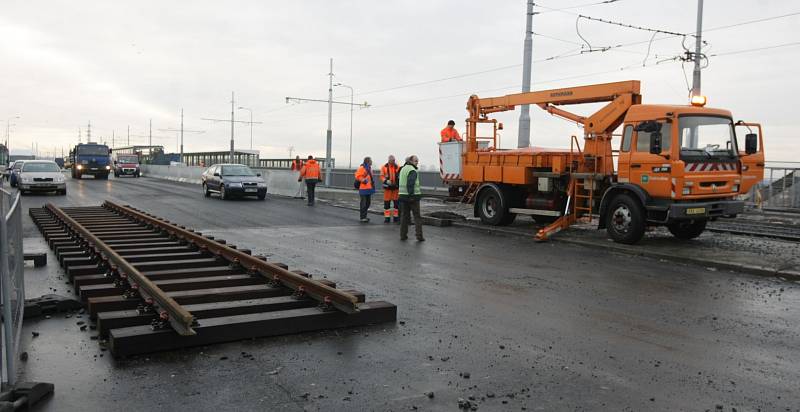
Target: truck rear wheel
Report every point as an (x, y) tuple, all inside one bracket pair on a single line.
[(493, 209), (625, 220), (687, 229)]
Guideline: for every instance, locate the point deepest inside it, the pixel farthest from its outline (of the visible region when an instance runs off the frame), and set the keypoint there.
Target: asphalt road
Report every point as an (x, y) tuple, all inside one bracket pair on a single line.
[(514, 324)]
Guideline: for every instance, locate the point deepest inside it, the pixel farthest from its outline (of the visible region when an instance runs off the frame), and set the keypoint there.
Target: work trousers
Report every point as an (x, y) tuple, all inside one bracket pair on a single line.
[(366, 200), (407, 207), (311, 185), (301, 187), (389, 211)]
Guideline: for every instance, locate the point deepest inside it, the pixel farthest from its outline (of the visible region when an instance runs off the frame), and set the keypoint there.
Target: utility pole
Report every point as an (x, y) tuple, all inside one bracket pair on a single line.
[(350, 156), (697, 57), (329, 134), (129, 135), (524, 136), (79, 135), (89, 132), (251, 124), (232, 120), (150, 140), (112, 139), (182, 131)]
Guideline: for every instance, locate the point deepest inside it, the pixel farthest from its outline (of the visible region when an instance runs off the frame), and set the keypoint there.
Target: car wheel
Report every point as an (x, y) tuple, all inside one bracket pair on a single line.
[(206, 193), (222, 194), (625, 220), (63, 192), (687, 229), (262, 196)]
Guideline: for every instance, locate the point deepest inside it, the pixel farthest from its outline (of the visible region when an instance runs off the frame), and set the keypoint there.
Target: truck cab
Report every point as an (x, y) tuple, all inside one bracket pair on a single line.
[(684, 165), (91, 159)]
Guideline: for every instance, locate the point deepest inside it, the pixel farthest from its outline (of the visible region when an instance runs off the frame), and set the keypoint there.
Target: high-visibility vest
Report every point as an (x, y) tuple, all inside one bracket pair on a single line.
[(389, 172), (364, 173), (404, 171), (297, 165), (310, 170)]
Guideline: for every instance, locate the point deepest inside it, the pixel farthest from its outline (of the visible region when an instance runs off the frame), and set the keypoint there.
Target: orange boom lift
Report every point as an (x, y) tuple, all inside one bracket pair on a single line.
[(677, 165)]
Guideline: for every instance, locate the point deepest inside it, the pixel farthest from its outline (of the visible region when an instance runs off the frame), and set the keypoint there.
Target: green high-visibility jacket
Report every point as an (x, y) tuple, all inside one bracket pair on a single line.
[(403, 182)]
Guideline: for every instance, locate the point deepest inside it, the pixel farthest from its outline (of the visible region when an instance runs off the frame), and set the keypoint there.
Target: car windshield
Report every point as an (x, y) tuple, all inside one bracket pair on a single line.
[(40, 167), (128, 159), (237, 170), (706, 137), (92, 150), (17, 165)]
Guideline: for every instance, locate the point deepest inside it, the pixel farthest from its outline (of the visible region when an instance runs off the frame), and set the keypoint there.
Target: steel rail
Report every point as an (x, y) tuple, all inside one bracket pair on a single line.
[(341, 300), (180, 319)]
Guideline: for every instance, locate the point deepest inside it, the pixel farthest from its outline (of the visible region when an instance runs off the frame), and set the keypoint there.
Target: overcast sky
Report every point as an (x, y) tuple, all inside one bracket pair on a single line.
[(117, 63)]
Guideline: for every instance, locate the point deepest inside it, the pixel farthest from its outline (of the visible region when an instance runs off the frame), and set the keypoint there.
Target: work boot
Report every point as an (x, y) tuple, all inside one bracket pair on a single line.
[(403, 237), (365, 220), (396, 220), (387, 220), (420, 239)]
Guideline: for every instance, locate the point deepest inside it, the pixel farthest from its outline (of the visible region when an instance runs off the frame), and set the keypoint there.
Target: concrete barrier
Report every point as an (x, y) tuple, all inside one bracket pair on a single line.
[(279, 182)]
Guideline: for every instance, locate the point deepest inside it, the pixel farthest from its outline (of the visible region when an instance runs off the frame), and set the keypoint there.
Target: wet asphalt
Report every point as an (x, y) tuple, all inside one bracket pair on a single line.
[(492, 320)]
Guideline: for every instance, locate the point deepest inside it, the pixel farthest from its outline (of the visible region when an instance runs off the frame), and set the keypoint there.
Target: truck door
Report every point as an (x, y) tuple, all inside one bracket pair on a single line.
[(650, 171), (752, 164), (624, 159)]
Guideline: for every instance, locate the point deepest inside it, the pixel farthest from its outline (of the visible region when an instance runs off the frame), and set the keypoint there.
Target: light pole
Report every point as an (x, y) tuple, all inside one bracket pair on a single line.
[(350, 157), (251, 124), (8, 129)]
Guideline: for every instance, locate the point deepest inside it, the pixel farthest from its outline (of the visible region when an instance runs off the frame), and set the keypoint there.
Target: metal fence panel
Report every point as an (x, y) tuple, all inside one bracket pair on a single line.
[(12, 281)]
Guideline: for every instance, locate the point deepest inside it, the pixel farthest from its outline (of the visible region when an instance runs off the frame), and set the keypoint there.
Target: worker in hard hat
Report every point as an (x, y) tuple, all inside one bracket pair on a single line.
[(449, 133), (390, 192)]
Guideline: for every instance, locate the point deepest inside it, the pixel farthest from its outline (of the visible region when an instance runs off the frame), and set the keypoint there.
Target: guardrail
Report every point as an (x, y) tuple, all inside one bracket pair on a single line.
[(12, 281)]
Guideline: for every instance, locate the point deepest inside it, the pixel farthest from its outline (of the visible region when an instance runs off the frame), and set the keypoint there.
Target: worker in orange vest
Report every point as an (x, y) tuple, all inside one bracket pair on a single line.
[(311, 173), (449, 133), (390, 190), (297, 165), (366, 187)]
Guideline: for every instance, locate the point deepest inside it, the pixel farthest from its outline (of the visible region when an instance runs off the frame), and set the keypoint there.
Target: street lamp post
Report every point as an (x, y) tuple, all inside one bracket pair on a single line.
[(251, 124), (350, 157), (8, 129)]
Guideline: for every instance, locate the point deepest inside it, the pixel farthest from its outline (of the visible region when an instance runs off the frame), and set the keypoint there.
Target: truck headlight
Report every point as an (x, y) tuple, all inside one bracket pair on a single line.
[(735, 188), (686, 191), (79, 167), (108, 167)]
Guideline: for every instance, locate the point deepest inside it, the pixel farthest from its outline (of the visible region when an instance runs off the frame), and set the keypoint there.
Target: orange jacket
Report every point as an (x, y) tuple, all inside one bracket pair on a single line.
[(449, 135), (310, 170), (389, 172), (363, 175), (297, 164)]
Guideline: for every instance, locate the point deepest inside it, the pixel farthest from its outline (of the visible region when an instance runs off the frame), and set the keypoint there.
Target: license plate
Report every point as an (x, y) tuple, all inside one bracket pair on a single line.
[(696, 211), (250, 190)]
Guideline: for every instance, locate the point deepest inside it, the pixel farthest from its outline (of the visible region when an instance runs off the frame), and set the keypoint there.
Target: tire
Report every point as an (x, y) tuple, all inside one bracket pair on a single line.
[(625, 220), (262, 197), (687, 229), (206, 193), (62, 192), (222, 194), (492, 208), (104, 177)]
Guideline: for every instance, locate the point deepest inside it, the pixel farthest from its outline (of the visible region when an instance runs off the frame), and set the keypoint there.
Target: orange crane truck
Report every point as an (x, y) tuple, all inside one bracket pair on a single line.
[(677, 166)]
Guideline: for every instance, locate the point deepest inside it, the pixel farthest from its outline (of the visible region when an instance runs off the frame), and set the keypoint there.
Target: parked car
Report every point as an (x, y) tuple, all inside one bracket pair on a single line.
[(14, 172), (230, 180), (41, 176)]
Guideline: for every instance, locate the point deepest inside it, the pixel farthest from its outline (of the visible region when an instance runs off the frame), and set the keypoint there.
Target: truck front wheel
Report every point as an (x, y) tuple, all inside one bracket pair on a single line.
[(625, 220), (687, 229), (493, 209)]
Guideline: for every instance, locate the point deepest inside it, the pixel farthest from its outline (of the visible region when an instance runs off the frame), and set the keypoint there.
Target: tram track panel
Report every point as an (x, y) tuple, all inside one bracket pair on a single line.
[(758, 229), (151, 285)]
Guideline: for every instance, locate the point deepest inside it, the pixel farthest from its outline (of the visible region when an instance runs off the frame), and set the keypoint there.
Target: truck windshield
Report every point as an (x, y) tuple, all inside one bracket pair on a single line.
[(237, 170), (706, 137), (128, 159), (92, 150)]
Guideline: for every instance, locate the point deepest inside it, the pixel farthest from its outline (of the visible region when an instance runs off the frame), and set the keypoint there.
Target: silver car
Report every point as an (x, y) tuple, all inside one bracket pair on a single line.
[(41, 176)]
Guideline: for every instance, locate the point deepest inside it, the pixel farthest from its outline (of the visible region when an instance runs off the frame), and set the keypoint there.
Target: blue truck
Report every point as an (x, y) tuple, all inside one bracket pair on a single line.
[(91, 159)]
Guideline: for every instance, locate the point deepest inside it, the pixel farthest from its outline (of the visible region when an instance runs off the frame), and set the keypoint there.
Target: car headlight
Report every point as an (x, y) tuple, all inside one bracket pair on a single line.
[(235, 184), (27, 180), (59, 179), (261, 184), (79, 167)]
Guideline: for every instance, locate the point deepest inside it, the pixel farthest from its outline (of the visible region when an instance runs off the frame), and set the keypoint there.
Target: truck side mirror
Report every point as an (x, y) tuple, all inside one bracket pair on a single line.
[(750, 143), (655, 143)]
